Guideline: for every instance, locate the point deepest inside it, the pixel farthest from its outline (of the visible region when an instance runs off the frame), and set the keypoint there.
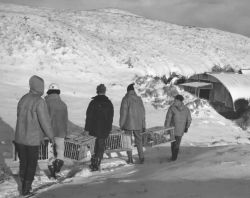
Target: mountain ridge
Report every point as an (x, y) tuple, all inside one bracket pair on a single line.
[(109, 35)]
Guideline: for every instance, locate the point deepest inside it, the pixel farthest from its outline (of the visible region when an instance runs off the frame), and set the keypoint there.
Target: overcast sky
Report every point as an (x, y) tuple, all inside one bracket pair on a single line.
[(228, 15)]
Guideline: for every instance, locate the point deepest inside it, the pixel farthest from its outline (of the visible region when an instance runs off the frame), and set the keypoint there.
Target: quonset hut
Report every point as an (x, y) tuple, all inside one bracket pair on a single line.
[(226, 92)]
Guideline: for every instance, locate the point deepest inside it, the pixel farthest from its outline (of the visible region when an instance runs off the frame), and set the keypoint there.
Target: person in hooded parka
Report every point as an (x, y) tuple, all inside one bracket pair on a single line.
[(179, 117), (132, 120), (33, 123)]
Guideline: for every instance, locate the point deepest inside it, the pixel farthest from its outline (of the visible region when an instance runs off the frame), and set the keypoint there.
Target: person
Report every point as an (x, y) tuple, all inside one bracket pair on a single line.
[(132, 120), (58, 112), (178, 116), (32, 124), (99, 119)]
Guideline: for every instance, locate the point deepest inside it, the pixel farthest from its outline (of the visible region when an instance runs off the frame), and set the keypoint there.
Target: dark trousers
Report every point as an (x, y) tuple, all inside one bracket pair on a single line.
[(175, 146), (28, 157), (99, 147), (138, 142)]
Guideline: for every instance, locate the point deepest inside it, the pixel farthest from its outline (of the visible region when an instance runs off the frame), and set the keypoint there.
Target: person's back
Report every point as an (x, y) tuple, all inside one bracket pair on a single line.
[(179, 120), (59, 115), (132, 112), (31, 114), (59, 120), (178, 116), (99, 119), (33, 123), (132, 121)]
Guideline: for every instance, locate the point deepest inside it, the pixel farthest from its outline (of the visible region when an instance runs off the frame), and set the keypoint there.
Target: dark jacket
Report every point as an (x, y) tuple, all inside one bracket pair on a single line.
[(58, 113), (33, 120), (180, 118), (132, 112), (99, 116)]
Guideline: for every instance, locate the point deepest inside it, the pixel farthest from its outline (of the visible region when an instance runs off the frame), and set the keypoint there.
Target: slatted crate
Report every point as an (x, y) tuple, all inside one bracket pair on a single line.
[(158, 135), (118, 141), (77, 147), (43, 154)]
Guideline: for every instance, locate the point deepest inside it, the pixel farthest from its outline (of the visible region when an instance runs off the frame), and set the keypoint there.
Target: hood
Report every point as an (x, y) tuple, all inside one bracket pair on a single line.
[(131, 93), (36, 85), (180, 108)]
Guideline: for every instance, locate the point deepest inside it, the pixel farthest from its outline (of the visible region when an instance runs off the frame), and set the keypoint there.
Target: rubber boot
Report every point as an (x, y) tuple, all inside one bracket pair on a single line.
[(94, 166), (98, 164), (141, 160), (52, 171), (58, 165), (130, 158), (93, 161), (27, 188), (21, 189)]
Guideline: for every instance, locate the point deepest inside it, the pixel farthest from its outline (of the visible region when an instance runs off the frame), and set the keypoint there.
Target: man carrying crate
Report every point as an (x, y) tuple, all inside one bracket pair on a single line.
[(178, 116), (58, 112), (99, 119), (132, 120)]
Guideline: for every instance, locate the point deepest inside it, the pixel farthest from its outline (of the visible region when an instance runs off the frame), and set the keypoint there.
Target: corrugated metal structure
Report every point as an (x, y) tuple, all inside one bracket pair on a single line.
[(225, 89), (245, 71)]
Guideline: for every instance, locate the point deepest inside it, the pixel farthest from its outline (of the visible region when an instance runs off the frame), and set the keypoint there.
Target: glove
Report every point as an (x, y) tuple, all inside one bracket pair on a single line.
[(186, 130)]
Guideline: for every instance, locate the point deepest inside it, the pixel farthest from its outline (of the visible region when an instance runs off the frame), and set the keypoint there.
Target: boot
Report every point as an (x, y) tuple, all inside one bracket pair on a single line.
[(21, 188), (96, 164), (92, 160), (52, 171), (175, 154), (130, 158), (58, 165), (141, 160), (27, 188)]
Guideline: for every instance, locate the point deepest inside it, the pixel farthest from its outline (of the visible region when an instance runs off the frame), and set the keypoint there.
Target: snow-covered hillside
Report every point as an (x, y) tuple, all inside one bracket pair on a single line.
[(110, 40), (80, 49)]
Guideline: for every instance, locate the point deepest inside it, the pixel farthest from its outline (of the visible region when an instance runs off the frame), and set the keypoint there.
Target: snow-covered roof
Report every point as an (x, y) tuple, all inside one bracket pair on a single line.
[(238, 85), (197, 84)]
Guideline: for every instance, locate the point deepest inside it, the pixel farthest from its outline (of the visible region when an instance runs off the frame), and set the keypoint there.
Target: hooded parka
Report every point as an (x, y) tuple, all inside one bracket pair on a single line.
[(33, 120), (178, 117), (58, 113), (132, 112)]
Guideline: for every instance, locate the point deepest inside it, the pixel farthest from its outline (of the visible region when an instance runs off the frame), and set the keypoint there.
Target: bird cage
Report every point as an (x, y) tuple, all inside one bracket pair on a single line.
[(158, 135), (77, 147), (43, 153), (117, 142)]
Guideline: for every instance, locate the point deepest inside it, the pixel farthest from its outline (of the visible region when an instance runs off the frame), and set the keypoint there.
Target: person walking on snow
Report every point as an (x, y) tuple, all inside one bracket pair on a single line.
[(178, 116), (58, 112), (99, 119), (32, 124), (132, 120)]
